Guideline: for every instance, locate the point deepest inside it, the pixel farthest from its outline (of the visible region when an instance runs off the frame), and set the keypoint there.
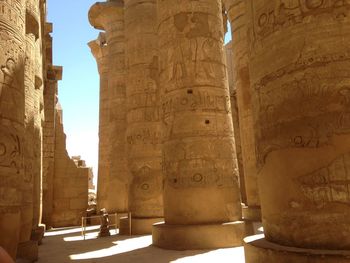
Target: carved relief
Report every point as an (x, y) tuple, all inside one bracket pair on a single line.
[(10, 149), (12, 14), (145, 192), (329, 184), (195, 57), (11, 77), (287, 13), (144, 136), (198, 165), (203, 101), (314, 91)]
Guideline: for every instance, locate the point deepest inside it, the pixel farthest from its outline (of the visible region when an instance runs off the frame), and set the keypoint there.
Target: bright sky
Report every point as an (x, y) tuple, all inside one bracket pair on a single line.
[(79, 89)]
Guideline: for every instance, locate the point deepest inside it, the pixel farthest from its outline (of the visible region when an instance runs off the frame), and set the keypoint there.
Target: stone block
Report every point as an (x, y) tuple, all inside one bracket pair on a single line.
[(192, 237), (259, 250)]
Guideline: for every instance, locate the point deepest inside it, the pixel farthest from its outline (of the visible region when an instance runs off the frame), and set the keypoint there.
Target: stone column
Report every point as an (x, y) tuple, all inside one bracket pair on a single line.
[(12, 43), (236, 10), (201, 193), (302, 129), (143, 125), (39, 121), (235, 118), (99, 50), (28, 149), (54, 74), (109, 16)]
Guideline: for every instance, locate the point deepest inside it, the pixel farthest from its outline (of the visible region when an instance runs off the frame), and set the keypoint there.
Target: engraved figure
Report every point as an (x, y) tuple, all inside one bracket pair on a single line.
[(8, 70), (329, 184)]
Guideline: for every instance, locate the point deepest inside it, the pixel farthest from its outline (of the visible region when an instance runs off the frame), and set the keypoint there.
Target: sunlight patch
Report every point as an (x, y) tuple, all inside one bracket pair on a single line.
[(120, 247), (235, 255)]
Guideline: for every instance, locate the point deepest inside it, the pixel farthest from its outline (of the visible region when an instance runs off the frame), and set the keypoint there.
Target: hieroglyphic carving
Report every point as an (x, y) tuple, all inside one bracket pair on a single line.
[(198, 100), (187, 167), (12, 14), (330, 184), (315, 91), (143, 134), (198, 145), (144, 191), (11, 78), (10, 149), (288, 13), (195, 56)]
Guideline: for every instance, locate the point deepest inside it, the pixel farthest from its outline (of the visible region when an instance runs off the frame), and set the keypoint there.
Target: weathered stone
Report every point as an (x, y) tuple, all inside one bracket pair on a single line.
[(201, 179), (235, 121), (236, 10), (143, 134), (302, 123), (99, 50), (109, 16), (12, 51), (70, 183), (258, 250), (28, 178), (54, 74), (39, 119)]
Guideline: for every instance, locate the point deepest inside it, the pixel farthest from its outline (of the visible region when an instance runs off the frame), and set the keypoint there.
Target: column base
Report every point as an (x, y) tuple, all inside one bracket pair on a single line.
[(259, 250), (192, 237), (251, 213), (139, 226), (38, 234), (28, 251)]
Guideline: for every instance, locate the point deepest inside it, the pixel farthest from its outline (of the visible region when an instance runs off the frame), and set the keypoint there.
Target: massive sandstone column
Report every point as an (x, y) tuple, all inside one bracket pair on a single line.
[(143, 124), (38, 124), (109, 16), (236, 10), (99, 50), (12, 43), (235, 119), (201, 194), (54, 74), (28, 149), (39, 121), (300, 75)]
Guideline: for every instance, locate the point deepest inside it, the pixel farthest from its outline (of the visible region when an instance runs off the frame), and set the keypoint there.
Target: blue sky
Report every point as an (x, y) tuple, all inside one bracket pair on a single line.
[(79, 89)]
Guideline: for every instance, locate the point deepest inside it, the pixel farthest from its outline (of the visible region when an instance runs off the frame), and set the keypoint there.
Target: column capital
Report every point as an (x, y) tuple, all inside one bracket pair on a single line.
[(48, 28), (99, 51), (101, 13), (55, 73)]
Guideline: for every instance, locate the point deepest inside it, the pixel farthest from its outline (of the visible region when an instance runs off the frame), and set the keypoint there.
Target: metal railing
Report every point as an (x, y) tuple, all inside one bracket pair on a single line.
[(116, 224)]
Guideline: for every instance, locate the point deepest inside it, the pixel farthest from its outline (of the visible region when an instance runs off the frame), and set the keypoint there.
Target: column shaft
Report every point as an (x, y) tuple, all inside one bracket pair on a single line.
[(109, 16), (144, 129), (237, 14), (201, 190), (12, 30), (302, 120)]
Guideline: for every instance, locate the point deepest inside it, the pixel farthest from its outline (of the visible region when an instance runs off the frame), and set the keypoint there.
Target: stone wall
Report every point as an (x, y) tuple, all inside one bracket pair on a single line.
[(70, 183), (33, 157)]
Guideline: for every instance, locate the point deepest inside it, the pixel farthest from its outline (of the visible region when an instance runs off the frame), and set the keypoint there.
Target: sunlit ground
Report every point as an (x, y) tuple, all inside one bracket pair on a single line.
[(67, 245)]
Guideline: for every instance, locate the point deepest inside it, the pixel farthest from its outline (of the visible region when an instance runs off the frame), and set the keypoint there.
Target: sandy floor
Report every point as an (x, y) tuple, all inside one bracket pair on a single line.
[(67, 245)]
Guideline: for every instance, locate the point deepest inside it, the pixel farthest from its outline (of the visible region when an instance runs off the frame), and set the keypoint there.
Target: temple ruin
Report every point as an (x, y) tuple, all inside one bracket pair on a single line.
[(202, 145)]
